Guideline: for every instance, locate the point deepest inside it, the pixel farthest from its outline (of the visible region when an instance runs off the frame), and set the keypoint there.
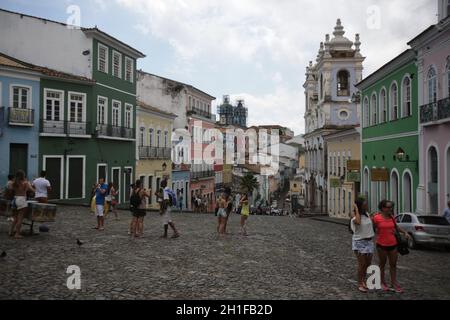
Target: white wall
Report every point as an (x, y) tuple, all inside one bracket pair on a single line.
[(151, 91), (45, 43)]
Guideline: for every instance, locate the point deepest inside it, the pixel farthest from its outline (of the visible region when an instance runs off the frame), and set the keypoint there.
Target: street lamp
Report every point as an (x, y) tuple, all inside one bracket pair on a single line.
[(403, 157)]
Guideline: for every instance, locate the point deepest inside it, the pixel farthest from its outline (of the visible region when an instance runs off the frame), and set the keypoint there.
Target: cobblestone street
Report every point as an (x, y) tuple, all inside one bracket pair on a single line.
[(283, 258)]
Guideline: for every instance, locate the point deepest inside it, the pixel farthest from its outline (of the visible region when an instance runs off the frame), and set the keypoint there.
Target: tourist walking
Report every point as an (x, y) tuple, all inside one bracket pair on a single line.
[(100, 195), (138, 201), (165, 194), (385, 229), (43, 188), (229, 207), (362, 240), (19, 188), (244, 211), (111, 199), (222, 214)]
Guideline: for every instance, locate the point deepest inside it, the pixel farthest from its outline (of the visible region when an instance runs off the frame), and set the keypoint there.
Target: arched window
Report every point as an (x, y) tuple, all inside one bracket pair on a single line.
[(343, 89), (150, 137), (432, 85), (366, 183), (394, 102), (141, 136), (374, 110), (407, 194), (383, 106), (166, 139), (321, 86), (406, 97), (394, 191), (448, 76), (433, 181), (366, 113), (158, 139)]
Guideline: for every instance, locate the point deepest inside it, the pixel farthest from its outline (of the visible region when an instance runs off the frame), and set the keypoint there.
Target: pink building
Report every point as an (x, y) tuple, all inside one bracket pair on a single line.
[(433, 58), (203, 178)]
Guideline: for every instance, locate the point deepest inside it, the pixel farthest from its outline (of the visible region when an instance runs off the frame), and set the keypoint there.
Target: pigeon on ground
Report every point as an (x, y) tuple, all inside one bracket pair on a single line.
[(3, 254), (79, 242)]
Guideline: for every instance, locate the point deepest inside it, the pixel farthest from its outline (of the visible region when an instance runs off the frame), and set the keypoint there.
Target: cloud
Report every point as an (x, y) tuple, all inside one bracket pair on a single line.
[(280, 107), (142, 28), (271, 35)]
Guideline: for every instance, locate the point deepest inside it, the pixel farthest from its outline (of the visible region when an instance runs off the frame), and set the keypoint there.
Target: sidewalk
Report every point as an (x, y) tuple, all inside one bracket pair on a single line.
[(328, 219)]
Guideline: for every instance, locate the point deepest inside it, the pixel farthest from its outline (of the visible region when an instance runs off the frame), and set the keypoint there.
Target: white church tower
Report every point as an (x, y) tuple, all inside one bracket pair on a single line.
[(330, 106)]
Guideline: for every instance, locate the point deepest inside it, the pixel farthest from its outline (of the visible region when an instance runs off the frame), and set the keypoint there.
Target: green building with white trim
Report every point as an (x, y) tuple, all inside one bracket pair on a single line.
[(390, 141), (87, 122)]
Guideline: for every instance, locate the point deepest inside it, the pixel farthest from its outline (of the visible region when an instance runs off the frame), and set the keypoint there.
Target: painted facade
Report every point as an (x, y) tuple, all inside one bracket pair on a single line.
[(389, 125), (190, 105), (19, 119), (343, 183), (87, 127), (330, 107), (153, 149), (433, 56)]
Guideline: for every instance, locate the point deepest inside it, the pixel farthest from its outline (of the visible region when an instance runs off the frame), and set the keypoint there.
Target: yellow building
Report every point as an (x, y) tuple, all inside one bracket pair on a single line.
[(153, 148), (343, 171)]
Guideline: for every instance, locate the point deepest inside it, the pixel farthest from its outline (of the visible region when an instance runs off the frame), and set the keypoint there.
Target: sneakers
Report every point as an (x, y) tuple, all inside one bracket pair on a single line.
[(384, 287), (396, 287), (363, 289)]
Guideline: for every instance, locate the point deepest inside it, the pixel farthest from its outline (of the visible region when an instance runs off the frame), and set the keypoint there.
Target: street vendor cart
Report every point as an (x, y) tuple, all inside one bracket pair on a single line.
[(36, 212)]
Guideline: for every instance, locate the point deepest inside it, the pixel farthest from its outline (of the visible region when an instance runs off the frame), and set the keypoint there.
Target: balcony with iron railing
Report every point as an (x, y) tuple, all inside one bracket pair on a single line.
[(203, 174), (199, 112), (155, 153), (110, 131), (20, 117), (435, 111), (65, 127)]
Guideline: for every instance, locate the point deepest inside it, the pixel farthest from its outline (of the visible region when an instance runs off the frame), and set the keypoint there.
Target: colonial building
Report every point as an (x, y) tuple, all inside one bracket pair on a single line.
[(192, 108), (232, 115), (19, 118), (154, 148), (433, 56), (87, 128), (390, 154), (343, 159), (329, 88)]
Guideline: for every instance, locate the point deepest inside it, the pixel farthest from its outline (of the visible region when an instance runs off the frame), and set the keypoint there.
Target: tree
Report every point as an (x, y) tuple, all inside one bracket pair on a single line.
[(249, 183)]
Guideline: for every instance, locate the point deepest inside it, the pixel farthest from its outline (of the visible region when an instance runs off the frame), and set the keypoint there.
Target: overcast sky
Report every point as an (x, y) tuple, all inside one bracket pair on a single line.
[(251, 49)]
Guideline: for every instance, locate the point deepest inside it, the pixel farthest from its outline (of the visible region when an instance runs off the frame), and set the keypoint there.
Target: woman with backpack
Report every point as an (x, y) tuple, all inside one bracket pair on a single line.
[(385, 229), (138, 202), (362, 241)]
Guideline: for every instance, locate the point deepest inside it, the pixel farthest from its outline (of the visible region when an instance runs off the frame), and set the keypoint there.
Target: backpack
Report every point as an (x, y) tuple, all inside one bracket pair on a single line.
[(135, 200), (172, 197)]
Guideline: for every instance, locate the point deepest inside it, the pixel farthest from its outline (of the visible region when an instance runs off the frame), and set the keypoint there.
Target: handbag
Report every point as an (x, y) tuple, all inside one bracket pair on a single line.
[(402, 241)]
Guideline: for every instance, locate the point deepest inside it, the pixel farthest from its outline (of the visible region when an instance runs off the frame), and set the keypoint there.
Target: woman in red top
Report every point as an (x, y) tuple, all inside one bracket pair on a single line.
[(384, 224)]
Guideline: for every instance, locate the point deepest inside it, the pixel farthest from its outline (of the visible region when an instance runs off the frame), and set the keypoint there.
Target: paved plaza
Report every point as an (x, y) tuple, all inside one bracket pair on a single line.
[(282, 258)]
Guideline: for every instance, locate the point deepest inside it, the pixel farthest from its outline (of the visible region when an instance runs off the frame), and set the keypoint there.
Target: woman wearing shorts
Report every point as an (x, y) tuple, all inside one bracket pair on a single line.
[(362, 241), (20, 187), (137, 224), (387, 243), (245, 213), (222, 214)]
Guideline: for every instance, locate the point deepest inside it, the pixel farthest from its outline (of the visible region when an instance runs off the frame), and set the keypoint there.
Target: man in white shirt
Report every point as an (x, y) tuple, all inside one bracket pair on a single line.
[(165, 210), (43, 187)]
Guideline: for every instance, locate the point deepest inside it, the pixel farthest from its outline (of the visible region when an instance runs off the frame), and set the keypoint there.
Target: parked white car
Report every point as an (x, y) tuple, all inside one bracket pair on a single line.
[(425, 229)]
